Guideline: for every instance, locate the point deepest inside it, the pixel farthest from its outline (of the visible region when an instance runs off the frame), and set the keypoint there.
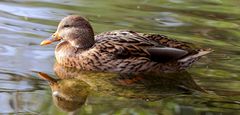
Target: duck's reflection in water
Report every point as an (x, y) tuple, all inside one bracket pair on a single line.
[(71, 90)]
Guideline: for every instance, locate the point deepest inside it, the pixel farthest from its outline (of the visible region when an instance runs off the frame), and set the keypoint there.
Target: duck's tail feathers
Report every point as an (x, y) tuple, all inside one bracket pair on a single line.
[(200, 53), (188, 60)]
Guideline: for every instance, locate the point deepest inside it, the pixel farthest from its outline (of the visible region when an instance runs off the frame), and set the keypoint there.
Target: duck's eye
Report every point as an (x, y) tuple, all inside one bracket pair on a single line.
[(65, 26)]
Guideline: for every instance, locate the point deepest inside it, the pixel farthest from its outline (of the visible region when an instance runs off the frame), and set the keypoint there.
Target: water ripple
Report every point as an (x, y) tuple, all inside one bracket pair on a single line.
[(7, 50)]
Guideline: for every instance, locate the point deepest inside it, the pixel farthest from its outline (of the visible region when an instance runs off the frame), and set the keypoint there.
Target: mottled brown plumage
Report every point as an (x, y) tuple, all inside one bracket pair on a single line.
[(120, 50)]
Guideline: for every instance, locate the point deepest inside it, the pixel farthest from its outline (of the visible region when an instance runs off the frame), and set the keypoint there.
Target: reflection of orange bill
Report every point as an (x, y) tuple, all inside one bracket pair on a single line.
[(45, 77)]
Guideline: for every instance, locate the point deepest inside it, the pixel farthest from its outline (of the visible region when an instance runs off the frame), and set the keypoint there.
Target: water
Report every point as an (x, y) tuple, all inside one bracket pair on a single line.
[(207, 23)]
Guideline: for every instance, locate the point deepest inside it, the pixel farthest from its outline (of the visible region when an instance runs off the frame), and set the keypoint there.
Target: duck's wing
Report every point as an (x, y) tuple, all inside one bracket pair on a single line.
[(166, 53), (125, 44), (172, 43)]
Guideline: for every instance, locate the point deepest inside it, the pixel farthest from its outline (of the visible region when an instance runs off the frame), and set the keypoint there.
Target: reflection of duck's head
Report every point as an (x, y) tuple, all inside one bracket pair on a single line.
[(68, 94)]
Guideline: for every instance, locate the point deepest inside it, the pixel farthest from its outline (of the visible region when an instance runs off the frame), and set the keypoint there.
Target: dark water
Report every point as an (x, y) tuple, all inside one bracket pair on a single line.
[(208, 23)]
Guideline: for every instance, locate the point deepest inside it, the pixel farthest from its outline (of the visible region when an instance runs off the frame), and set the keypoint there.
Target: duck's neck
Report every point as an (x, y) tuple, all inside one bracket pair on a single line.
[(83, 44), (67, 48), (63, 47), (64, 51)]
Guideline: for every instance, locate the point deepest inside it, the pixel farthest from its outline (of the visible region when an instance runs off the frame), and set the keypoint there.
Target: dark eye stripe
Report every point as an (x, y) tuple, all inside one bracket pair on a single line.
[(65, 26)]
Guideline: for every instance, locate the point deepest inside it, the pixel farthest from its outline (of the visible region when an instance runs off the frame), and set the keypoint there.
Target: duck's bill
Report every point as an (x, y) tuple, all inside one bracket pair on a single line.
[(50, 40), (45, 42)]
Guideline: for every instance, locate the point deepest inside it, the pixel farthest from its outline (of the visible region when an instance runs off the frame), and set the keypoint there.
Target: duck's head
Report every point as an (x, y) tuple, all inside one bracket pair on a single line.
[(74, 29)]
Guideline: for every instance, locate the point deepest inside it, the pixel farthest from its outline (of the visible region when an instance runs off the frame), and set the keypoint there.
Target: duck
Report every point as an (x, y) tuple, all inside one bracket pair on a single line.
[(123, 51)]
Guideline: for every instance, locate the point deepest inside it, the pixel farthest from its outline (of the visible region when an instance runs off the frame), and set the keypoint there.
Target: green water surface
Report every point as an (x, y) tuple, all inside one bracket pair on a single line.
[(210, 87)]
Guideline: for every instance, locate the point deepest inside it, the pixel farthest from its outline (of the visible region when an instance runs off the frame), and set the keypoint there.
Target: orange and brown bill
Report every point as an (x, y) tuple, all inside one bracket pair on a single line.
[(54, 38), (45, 77)]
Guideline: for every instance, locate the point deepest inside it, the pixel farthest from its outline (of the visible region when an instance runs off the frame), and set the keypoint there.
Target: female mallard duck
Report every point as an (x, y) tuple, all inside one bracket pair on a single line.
[(120, 50)]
